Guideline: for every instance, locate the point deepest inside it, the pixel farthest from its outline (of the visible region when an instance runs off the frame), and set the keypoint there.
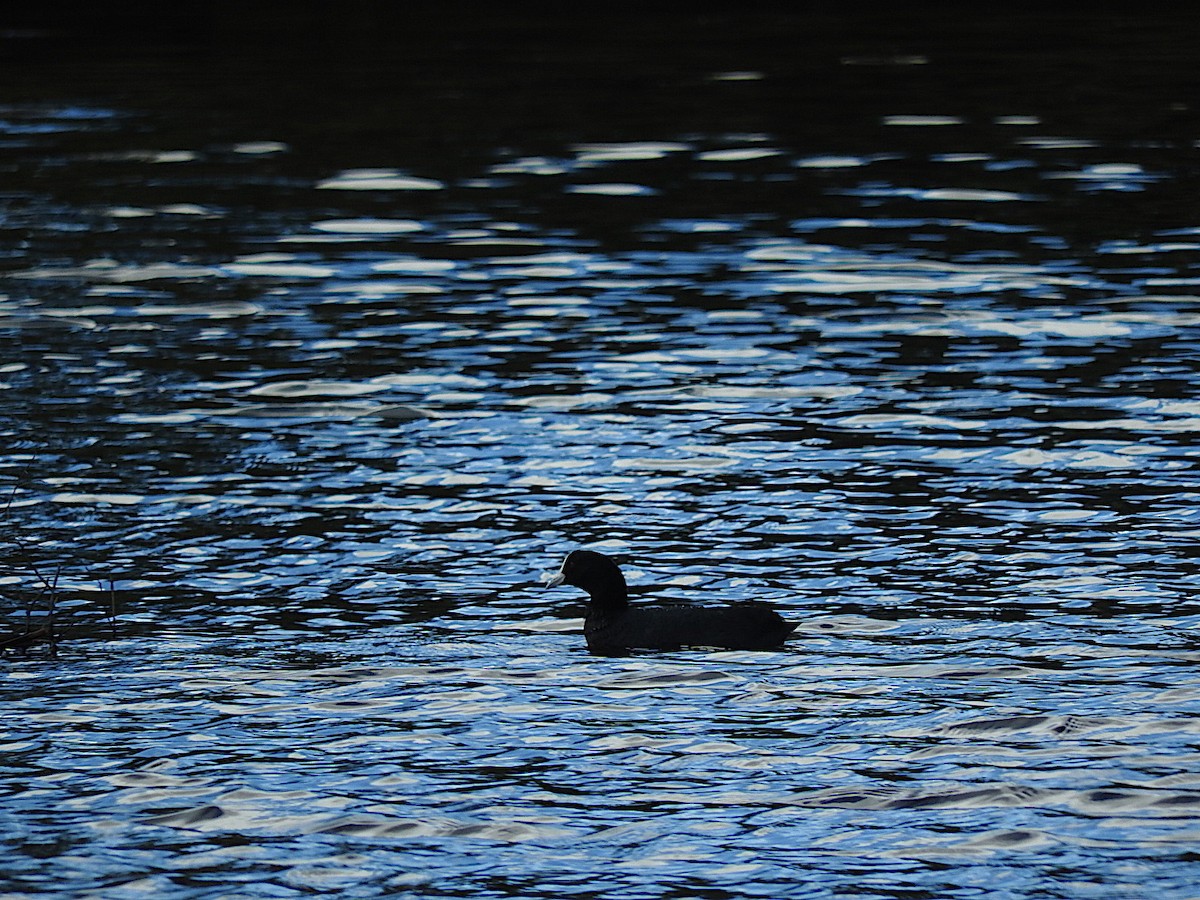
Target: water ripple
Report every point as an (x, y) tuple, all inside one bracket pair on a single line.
[(295, 421)]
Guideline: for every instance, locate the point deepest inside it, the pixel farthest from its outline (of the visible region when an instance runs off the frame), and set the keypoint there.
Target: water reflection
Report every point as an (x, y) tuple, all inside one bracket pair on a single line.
[(313, 423)]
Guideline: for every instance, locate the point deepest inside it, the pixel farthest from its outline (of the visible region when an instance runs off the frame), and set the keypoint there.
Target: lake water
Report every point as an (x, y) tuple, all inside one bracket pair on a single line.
[(323, 339)]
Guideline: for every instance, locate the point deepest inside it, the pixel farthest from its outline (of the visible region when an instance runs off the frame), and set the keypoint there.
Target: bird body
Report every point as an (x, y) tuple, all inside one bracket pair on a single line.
[(613, 627)]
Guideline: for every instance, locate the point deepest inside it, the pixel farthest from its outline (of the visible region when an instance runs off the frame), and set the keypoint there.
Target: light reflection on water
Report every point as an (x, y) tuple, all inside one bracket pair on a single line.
[(319, 446), (520, 756)]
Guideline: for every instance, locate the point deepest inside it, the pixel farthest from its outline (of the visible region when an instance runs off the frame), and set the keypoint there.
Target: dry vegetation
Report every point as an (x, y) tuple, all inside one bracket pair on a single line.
[(32, 618)]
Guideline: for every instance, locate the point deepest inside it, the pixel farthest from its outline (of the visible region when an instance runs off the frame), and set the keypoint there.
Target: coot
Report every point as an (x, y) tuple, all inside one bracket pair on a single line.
[(612, 627)]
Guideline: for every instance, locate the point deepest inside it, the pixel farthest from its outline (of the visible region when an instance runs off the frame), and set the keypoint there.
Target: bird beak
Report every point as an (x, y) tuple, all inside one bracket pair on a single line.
[(556, 579)]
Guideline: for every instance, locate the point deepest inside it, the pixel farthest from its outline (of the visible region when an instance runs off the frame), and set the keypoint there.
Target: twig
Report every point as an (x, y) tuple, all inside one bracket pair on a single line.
[(30, 562), (112, 607), (46, 629)]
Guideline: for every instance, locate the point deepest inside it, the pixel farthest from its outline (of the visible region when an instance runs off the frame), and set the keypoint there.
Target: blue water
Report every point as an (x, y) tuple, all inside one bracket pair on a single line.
[(294, 421)]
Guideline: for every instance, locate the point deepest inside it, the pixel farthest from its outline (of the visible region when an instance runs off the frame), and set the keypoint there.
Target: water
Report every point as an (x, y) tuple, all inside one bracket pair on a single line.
[(312, 362)]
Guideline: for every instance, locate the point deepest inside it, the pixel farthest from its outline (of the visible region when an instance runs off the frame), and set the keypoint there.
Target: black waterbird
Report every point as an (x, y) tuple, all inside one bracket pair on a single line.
[(613, 627)]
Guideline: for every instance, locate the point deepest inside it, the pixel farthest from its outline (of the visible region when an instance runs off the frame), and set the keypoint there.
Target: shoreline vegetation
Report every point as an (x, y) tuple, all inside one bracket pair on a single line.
[(32, 602)]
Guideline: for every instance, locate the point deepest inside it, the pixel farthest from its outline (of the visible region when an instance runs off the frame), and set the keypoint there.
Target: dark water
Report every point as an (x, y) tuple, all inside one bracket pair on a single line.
[(321, 339)]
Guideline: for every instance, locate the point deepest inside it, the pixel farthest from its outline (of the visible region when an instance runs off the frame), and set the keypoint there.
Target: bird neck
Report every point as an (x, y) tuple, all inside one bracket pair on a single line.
[(609, 594)]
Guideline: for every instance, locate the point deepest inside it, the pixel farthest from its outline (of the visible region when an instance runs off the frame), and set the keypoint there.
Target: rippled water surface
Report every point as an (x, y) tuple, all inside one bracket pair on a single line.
[(312, 362)]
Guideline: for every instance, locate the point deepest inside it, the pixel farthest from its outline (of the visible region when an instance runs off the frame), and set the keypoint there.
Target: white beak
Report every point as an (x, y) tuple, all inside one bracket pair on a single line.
[(556, 579)]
